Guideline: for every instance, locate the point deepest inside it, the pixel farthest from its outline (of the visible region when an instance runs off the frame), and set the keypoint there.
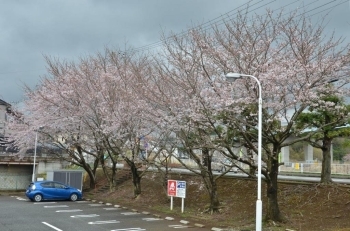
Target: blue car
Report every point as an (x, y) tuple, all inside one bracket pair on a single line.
[(52, 190)]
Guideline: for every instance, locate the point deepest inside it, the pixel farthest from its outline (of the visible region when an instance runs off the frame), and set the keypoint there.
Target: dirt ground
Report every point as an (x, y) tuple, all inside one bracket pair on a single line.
[(306, 207)]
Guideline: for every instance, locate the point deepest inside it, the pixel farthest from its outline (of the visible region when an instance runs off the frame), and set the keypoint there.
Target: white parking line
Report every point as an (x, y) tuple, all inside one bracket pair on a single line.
[(103, 222), (95, 205), (179, 226), (152, 219), (51, 226), (128, 229), (69, 211), (130, 213), (56, 206), (87, 215), (43, 203), (111, 208)]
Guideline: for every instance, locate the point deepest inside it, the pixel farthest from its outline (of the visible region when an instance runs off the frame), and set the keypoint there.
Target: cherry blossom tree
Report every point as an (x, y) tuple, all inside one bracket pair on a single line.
[(105, 104), (176, 84), (57, 106), (292, 58)]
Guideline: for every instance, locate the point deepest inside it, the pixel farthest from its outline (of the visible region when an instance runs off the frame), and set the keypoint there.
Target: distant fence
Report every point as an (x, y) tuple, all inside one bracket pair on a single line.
[(342, 169), (15, 181)]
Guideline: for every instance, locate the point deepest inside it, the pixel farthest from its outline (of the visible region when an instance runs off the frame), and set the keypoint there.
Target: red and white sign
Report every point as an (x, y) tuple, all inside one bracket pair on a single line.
[(177, 188), (172, 188)]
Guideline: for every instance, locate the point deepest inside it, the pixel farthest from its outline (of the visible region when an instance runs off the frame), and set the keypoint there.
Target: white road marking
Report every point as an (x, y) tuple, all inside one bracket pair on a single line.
[(128, 229), (80, 201), (51, 226), (44, 203), (179, 226), (103, 222), (129, 213), (56, 206), (87, 215), (22, 199), (152, 219), (69, 211), (111, 208), (96, 205)]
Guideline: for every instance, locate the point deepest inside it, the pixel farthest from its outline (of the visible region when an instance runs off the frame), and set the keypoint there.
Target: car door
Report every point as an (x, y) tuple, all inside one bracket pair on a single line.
[(48, 190), (62, 191)]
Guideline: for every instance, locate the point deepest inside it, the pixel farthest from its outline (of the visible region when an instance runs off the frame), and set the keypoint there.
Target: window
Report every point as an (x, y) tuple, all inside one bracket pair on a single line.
[(57, 185), (46, 185)]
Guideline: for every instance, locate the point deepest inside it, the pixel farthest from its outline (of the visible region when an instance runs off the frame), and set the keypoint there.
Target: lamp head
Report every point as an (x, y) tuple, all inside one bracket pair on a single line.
[(230, 77)]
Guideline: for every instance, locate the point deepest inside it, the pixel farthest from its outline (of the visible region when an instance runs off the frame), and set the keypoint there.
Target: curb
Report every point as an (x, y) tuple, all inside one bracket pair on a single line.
[(155, 215)]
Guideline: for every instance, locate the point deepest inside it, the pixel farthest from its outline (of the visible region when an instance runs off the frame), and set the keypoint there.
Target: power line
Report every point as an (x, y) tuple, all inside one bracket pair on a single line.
[(228, 15), (210, 22)]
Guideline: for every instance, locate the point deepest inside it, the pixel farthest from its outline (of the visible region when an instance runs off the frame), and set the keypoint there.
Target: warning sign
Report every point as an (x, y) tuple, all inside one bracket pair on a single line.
[(172, 188), (177, 188)]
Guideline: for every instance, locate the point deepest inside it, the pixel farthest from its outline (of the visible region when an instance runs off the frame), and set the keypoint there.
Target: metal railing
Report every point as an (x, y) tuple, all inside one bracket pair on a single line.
[(341, 169), (14, 181)]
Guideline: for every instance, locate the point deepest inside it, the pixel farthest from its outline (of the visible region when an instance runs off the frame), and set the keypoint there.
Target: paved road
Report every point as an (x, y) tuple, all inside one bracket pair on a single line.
[(20, 214)]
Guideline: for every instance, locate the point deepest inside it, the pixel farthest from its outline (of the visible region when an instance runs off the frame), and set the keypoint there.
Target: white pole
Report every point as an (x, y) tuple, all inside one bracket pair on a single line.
[(258, 201), (182, 205), (171, 203), (36, 141)]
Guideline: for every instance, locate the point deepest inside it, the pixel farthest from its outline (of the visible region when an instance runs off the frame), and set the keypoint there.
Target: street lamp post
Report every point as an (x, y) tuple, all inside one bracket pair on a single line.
[(35, 145), (258, 201), (35, 148)]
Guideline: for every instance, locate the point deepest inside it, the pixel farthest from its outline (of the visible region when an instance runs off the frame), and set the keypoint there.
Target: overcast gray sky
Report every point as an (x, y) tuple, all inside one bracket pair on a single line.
[(69, 29)]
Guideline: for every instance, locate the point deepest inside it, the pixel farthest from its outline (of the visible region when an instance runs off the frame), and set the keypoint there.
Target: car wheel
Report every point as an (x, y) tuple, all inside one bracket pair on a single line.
[(73, 197), (38, 197)]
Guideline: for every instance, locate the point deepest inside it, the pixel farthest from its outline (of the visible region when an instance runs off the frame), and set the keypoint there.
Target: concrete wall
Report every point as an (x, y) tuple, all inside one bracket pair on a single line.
[(43, 167)]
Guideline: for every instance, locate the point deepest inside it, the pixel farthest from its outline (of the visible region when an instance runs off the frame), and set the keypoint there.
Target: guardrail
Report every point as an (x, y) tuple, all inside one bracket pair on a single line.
[(342, 169)]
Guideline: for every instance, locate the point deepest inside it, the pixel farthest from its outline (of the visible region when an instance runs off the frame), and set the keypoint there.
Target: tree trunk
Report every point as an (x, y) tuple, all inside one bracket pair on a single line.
[(114, 174), (211, 186), (209, 181), (214, 198), (91, 173), (92, 178), (105, 171), (326, 171), (136, 180), (273, 211)]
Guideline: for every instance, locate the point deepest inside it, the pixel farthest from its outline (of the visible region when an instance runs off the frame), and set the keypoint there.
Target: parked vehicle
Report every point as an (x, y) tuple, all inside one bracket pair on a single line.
[(52, 190)]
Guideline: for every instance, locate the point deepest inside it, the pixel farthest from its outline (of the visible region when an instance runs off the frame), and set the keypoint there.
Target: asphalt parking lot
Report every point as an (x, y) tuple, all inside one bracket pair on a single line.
[(18, 213)]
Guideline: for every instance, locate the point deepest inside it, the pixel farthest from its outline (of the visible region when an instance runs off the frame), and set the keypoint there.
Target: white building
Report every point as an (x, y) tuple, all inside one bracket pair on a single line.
[(4, 107)]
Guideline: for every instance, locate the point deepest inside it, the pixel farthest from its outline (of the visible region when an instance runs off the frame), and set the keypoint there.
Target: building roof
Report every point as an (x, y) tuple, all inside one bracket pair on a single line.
[(4, 103)]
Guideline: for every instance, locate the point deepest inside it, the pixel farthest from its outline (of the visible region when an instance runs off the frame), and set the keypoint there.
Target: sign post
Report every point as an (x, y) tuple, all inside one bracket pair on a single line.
[(177, 189)]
